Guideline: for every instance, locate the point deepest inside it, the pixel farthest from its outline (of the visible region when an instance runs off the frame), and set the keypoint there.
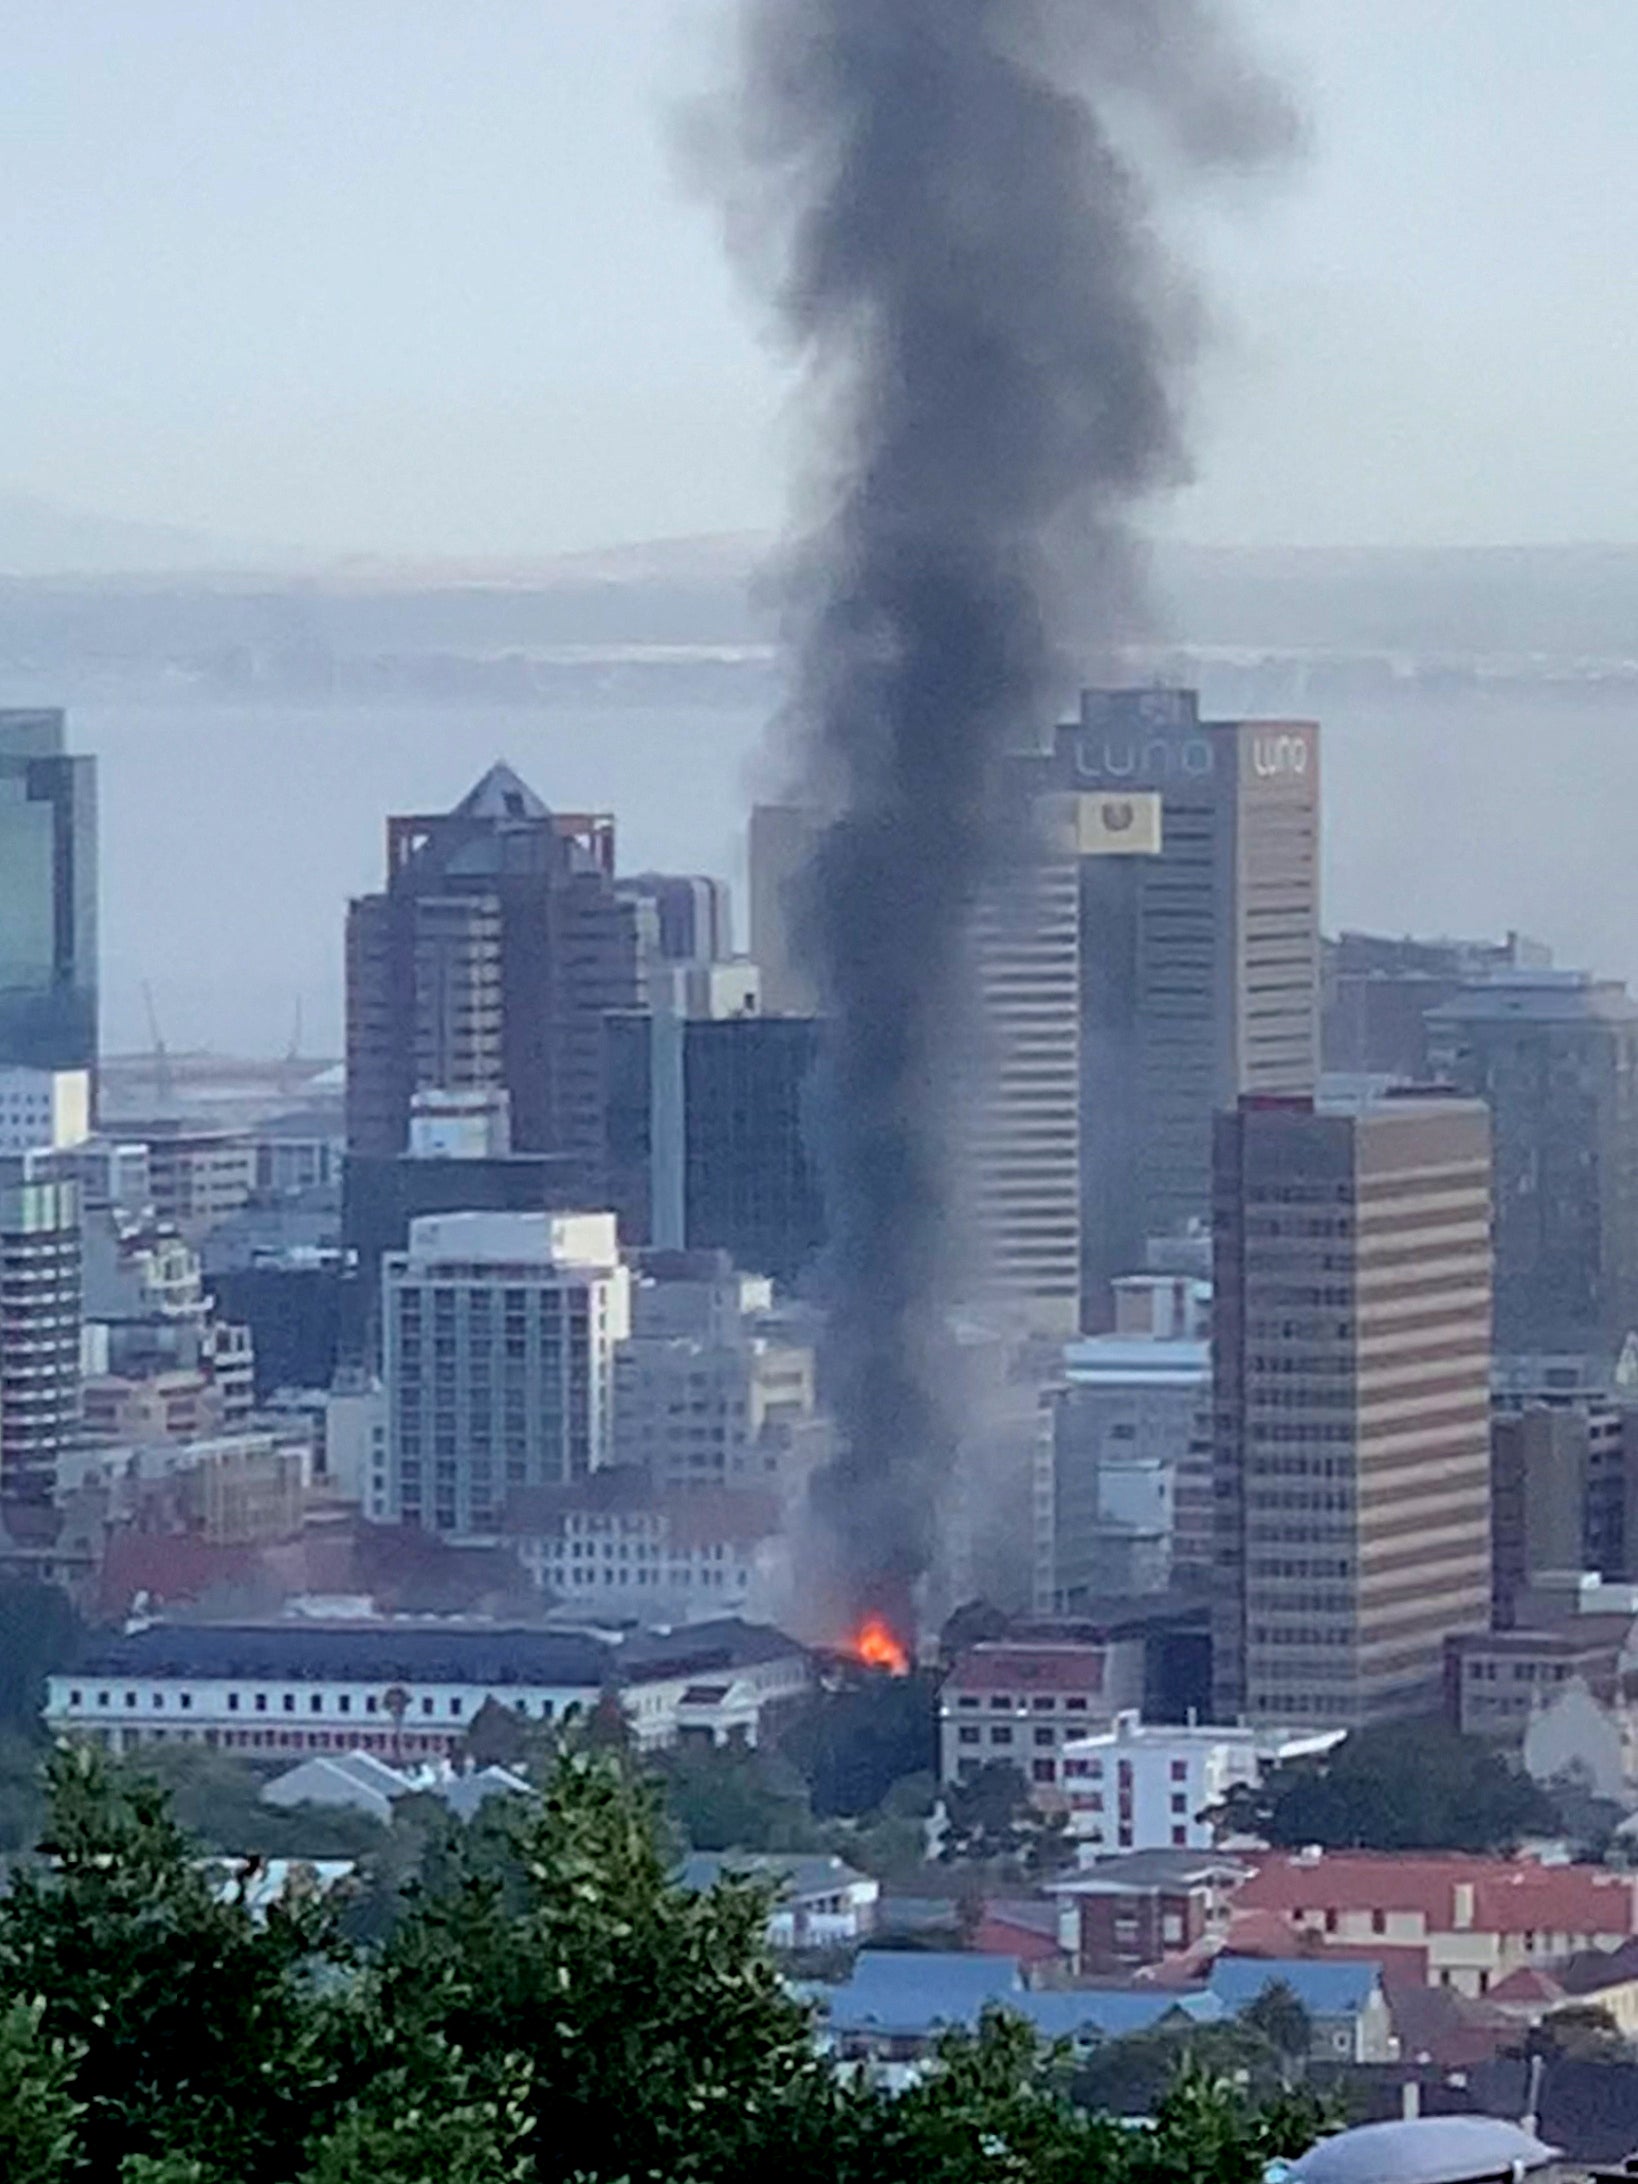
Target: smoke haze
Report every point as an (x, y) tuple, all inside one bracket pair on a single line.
[(941, 199)]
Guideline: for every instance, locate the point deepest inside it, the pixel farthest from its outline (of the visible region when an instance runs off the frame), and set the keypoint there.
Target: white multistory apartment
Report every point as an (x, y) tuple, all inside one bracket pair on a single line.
[(1140, 1785), (499, 1336)]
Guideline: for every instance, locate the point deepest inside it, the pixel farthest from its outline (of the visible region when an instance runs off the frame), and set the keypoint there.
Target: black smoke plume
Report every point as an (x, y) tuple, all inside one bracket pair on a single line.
[(949, 203)]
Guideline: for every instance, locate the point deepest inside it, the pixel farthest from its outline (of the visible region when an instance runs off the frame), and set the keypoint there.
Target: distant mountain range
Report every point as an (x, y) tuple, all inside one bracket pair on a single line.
[(40, 538), (1564, 603)]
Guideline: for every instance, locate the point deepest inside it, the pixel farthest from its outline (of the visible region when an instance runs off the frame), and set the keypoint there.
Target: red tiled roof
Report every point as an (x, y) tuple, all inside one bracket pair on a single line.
[(1510, 1896), (1023, 1670), (1527, 1984)]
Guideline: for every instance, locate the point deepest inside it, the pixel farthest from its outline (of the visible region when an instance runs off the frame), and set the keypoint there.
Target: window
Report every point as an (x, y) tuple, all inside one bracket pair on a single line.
[(1180, 1838), (1047, 1737), (1044, 1770), (261, 1702), (233, 1702), (965, 1735), (1379, 1922), (1000, 1736), (1180, 1770), (1179, 1802), (315, 1704), (290, 1702)]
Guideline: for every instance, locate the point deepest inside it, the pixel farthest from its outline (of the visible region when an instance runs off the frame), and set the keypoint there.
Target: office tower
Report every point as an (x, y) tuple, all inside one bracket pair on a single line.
[(1131, 1507), (1018, 1136), (1201, 947), (782, 840), (1559, 1482), (1555, 1055), (501, 1330), (1351, 1369), (692, 918), (39, 1334), (711, 1390), (48, 934), (1376, 992), (707, 1137), (488, 963)]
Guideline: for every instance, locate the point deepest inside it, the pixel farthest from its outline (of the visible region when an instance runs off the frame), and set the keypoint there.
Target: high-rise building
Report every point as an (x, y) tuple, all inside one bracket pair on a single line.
[(782, 840), (1351, 1369), (708, 1138), (692, 919), (48, 897), (1376, 991), (1019, 1137), (711, 1390), (501, 1331), (1198, 854), (39, 1334), (488, 963), (1555, 1055), (1560, 1479), (1131, 1507)]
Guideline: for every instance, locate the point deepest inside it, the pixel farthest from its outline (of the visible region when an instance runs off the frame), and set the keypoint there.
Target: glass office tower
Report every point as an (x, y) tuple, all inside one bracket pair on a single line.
[(48, 896)]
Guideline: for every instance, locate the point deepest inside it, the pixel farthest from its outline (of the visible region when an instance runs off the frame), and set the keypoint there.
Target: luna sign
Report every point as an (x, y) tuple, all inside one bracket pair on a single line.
[(1102, 758)]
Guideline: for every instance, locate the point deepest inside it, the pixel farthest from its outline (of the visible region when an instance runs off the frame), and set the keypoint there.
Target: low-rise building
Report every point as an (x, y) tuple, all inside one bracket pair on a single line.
[(1479, 1919), (1499, 1680), (1124, 1913), (822, 1903), (1348, 2014), (1025, 1703), (616, 1545), (411, 1690), (1141, 1785)]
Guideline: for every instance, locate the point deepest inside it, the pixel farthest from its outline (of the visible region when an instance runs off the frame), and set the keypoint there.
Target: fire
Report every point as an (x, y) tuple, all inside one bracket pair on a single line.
[(876, 1646)]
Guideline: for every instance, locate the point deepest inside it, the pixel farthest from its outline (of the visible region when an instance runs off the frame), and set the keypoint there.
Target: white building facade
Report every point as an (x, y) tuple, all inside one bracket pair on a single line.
[(499, 1337), (1148, 1785)]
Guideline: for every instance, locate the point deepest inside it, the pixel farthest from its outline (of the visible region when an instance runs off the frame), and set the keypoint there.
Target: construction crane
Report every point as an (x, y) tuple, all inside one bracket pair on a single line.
[(163, 1088)]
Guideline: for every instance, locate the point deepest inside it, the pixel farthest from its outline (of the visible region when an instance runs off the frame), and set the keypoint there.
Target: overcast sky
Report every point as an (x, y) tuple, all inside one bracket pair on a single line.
[(417, 276)]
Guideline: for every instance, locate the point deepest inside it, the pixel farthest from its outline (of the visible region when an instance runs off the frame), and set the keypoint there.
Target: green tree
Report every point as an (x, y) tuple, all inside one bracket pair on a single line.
[(729, 1797), (189, 2022), (1414, 1786), (39, 2116), (991, 1819), (548, 2006), (658, 2036), (851, 1744), (1278, 2014)]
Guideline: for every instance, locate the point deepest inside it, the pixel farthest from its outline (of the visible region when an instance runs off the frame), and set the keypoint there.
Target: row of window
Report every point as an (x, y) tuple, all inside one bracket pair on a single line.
[(261, 1702)]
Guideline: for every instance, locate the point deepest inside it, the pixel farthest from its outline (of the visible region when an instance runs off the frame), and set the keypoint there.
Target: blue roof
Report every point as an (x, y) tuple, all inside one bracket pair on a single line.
[(1338, 1989), (922, 1992)]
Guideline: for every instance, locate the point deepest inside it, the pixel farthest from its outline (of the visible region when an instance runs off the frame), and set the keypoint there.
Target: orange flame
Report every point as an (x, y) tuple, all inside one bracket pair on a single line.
[(876, 1646)]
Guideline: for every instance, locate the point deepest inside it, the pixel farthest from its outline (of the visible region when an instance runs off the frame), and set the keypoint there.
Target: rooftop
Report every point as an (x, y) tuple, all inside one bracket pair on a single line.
[(1008, 1668), (1324, 1989), (490, 1654), (1509, 1895)]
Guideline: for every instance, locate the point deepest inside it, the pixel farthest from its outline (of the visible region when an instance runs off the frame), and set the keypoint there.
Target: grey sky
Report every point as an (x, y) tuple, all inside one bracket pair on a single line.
[(417, 276)]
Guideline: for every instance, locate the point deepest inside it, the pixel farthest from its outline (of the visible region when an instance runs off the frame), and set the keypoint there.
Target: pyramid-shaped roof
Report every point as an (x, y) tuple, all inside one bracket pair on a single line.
[(501, 794)]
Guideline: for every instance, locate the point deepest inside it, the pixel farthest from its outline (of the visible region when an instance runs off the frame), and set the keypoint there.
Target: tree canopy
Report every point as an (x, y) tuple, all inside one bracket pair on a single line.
[(1421, 1787), (548, 2005)]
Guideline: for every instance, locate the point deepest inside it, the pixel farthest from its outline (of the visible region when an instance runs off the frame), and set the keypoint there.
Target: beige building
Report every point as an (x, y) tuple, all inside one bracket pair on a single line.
[(1022, 1131), (1351, 1352)]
